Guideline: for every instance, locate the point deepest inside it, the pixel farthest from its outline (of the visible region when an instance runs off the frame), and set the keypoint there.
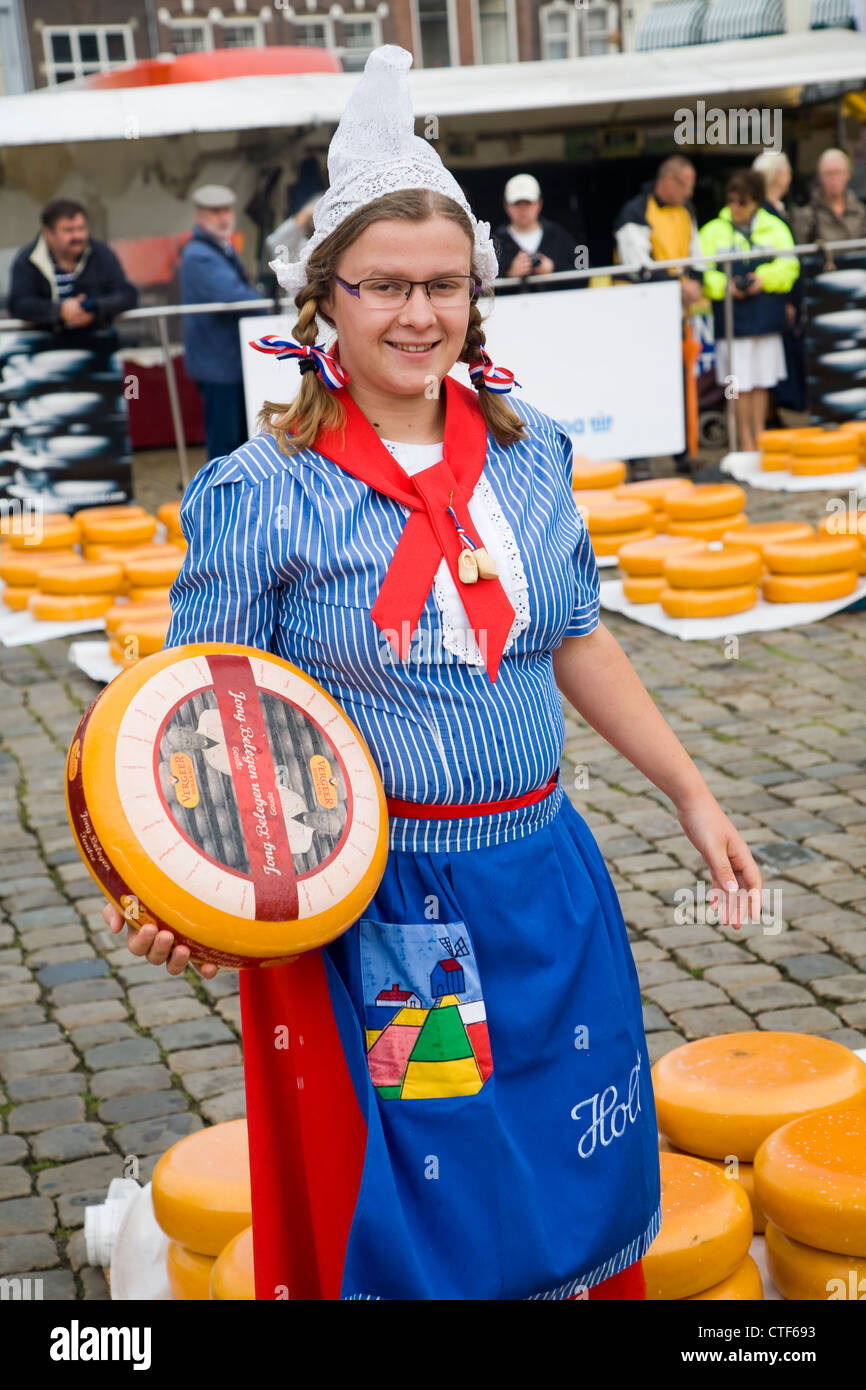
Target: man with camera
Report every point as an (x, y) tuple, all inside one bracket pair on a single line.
[(529, 244)]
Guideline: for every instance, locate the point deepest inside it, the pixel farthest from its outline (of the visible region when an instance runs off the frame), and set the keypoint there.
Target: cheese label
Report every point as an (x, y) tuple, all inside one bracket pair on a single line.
[(184, 780), (324, 781)]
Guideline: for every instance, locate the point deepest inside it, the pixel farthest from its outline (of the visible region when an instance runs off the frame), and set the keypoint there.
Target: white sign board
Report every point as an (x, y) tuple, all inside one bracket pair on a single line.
[(607, 364)]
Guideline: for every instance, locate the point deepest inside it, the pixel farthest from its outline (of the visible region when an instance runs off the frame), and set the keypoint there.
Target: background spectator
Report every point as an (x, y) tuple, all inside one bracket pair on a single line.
[(789, 393), (759, 291), (527, 244), (211, 271), (833, 213)]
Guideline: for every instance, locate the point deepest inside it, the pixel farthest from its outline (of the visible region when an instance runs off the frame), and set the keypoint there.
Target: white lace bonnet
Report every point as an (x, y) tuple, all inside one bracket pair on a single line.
[(375, 151)]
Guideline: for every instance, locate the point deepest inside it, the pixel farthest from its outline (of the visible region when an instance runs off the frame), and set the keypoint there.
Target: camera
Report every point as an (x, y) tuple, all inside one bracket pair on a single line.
[(536, 260), (743, 282)]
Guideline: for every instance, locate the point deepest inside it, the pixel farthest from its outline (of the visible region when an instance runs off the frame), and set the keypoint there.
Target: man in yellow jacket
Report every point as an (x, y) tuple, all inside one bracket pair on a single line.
[(759, 288)]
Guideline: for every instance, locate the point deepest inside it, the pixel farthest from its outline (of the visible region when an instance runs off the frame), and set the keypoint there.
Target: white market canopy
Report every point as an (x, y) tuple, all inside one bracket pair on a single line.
[(786, 68)]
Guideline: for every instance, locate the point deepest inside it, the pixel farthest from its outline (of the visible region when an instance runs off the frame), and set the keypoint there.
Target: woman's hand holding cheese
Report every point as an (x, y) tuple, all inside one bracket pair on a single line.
[(158, 947)]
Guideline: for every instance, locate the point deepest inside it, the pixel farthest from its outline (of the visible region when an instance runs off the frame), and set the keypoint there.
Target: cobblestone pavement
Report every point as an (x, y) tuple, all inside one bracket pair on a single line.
[(104, 1059)]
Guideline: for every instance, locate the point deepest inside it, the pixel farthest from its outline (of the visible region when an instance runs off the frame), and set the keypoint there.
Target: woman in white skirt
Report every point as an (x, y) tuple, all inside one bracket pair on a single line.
[(759, 290)]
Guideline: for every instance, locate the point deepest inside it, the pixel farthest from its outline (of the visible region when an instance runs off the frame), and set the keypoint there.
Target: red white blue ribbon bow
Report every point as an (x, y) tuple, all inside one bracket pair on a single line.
[(329, 369), (482, 373)]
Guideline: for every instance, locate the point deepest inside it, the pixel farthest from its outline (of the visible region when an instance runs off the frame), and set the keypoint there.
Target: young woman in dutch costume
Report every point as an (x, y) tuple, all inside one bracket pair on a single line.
[(412, 544)]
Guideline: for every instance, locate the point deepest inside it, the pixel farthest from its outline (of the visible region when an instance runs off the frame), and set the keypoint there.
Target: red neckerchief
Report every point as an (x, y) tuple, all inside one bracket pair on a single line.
[(429, 533)]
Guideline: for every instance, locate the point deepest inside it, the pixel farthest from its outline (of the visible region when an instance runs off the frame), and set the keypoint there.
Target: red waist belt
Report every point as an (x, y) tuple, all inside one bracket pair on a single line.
[(421, 811)]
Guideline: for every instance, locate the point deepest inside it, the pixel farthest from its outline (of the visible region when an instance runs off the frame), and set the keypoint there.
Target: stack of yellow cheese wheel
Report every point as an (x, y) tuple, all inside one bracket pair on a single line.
[(27, 553), (776, 448), (587, 474), (825, 451), (812, 570), (852, 525), (758, 534), (612, 522), (710, 583), (702, 1248), (233, 1276), (642, 563), (719, 1098), (706, 510), (810, 1177), (202, 1200), (656, 491)]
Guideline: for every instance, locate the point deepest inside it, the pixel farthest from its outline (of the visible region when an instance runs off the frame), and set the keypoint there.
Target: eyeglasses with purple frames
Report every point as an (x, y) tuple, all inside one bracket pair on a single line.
[(386, 292)]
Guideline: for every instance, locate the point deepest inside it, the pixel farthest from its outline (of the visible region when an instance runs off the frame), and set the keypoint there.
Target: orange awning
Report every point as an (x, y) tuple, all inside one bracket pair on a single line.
[(217, 63)]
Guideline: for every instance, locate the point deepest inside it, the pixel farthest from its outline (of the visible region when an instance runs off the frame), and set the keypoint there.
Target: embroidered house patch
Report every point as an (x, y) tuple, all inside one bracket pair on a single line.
[(426, 1026)]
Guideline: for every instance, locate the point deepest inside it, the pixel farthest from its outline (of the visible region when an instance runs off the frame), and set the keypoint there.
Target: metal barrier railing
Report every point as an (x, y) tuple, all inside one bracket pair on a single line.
[(161, 313)]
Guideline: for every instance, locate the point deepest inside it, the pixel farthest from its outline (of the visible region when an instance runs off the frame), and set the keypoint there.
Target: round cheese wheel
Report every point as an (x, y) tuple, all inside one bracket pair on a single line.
[(705, 1233), (219, 792), (653, 490), (617, 515), (583, 496), (233, 1276), (593, 473), (776, 463), (744, 1174), (850, 524), (115, 651), (708, 530), (120, 530), (169, 514), (153, 572), (708, 603), (645, 558), (150, 596), (776, 441), (646, 588), (17, 597), (822, 444), (115, 512), (201, 1185), (139, 639), (188, 1273), (19, 568), (810, 1178), (723, 1095), (119, 554), (706, 502), (81, 579), (816, 556), (807, 1275), (744, 1283), (712, 569), (757, 534), (49, 533), (610, 542), (839, 463), (124, 613), (808, 588), (67, 608)]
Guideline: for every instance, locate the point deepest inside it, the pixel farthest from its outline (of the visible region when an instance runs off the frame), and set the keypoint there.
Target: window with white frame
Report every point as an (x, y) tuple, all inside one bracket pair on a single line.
[(434, 33), (495, 29), (558, 26), (361, 34), (241, 33), (190, 35), (600, 28), (78, 50), (309, 32)]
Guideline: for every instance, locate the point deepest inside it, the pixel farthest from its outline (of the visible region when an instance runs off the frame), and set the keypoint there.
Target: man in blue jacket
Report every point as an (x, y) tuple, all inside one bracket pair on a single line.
[(211, 271)]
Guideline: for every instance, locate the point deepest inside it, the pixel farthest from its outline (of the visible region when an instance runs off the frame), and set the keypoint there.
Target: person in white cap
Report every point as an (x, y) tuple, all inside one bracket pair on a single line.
[(528, 244), (211, 271), (476, 1062)]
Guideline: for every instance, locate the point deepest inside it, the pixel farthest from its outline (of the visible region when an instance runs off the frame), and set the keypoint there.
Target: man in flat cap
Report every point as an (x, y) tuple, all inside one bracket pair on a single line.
[(211, 271)]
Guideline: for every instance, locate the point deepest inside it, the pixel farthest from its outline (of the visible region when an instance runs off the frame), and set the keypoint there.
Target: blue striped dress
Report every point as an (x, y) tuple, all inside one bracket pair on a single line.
[(489, 1005)]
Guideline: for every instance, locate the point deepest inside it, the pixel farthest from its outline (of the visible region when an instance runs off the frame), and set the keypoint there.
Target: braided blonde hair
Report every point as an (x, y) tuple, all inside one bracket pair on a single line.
[(296, 426)]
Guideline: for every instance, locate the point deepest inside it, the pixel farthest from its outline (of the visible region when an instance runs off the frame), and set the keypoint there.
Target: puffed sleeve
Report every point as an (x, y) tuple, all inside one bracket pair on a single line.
[(227, 589), (585, 611)]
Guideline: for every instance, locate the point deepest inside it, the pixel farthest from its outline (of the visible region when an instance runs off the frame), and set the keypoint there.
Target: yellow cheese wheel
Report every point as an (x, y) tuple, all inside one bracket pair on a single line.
[(150, 596), (810, 1179), (744, 1283), (776, 441), (121, 530), (121, 613), (47, 533), (708, 603), (201, 1186), (18, 596), (723, 1095), (153, 572), (233, 1275), (776, 463), (81, 579), (848, 523), (709, 530), (705, 1233), (653, 490), (188, 1272), (591, 473), (839, 463), (808, 588), (617, 514), (757, 534), (116, 512), (119, 554), (645, 558), (646, 588), (20, 568), (819, 555), (67, 608), (169, 514), (609, 542), (583, 496), (706, 502), (807, 1275), (141, 639), (822, 444), (744, 1174), (115, 651), (712, 569)]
